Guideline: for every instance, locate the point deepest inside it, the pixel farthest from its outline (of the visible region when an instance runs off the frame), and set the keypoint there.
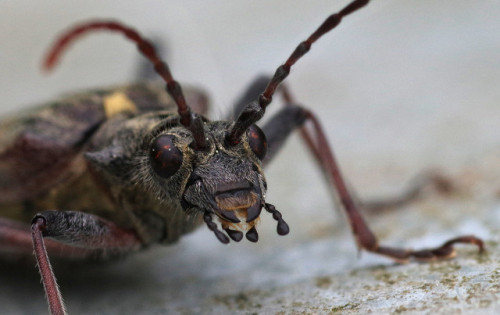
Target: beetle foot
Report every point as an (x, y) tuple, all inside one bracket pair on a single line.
[(445, 251)]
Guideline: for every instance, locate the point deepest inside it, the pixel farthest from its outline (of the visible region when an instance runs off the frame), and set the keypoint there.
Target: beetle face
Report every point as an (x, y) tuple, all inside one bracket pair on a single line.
[(229, 186), (225, 181)]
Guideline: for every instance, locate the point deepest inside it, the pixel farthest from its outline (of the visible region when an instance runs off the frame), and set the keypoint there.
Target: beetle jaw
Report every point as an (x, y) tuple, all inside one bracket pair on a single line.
[(236, 205), (239, 215), (235, 229), (238, 221)]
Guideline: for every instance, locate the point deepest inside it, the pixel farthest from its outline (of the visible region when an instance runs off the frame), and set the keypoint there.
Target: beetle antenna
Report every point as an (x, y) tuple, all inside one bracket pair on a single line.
[(255, 110), (187, 118)]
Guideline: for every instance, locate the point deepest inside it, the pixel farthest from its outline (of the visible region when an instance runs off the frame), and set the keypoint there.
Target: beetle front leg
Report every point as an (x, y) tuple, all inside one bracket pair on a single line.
[(15, 239), (292, 117), (80, 230)]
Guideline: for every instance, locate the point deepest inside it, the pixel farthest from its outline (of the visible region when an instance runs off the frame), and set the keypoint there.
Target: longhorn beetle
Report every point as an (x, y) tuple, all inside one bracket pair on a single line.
[(128, 167)]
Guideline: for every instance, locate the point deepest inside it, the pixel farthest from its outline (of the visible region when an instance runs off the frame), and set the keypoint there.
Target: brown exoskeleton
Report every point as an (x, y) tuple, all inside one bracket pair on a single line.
[(129, 167)]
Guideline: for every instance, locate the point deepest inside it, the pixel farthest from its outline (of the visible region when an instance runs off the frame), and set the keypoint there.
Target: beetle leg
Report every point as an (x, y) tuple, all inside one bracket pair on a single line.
[(416, 188), (279, 127), (15, 239), (88, 231), (77, 229), (290, 117), (363, 235), (54, 298), (432, 179)]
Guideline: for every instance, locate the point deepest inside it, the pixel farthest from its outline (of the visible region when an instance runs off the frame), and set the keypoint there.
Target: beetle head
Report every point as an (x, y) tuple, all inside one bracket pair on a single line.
[(225, 181)]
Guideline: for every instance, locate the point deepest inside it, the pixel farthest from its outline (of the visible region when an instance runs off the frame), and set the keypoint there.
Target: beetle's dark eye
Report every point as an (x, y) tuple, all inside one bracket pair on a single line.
[(257, 141), (165, 158)]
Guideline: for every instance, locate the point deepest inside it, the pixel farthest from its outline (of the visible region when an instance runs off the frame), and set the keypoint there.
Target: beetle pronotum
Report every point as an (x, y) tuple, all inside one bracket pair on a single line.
[(163, 149)]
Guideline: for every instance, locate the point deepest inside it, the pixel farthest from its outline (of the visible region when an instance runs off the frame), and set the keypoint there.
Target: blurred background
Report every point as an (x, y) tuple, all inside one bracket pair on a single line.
[(400, 86)]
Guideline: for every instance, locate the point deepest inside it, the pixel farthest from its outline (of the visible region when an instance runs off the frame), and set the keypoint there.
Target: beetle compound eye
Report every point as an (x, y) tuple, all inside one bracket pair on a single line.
[(257, 141), (165, 158)]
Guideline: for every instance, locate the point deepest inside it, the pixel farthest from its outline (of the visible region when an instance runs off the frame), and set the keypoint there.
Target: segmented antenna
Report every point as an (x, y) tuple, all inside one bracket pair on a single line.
[(255, 110), (187, 118)]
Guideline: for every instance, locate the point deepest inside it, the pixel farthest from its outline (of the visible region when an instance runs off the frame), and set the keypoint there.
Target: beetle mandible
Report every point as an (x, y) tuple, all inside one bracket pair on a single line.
[(159, 163)]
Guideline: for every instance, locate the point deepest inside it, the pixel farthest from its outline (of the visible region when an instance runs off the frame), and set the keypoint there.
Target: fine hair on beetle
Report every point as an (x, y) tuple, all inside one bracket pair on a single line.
[(150, 171), (167, 162)]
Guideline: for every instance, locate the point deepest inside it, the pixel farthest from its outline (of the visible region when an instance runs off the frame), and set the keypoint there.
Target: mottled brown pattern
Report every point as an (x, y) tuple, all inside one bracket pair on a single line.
[(42, 163)]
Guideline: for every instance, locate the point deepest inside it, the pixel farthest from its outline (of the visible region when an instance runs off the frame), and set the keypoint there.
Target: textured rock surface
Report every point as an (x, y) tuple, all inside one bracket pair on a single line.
[(320, 274)]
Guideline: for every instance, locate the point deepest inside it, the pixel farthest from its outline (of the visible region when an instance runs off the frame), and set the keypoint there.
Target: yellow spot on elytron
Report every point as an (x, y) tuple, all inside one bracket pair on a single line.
[(117, 103)]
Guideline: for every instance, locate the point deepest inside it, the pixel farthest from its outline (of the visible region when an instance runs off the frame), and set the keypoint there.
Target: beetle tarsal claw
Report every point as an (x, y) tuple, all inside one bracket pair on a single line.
[(282, 228)]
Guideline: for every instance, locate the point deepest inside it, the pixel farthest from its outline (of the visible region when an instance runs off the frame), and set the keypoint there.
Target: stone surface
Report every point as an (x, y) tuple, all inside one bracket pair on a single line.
[(319, 274), (401, 87)]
